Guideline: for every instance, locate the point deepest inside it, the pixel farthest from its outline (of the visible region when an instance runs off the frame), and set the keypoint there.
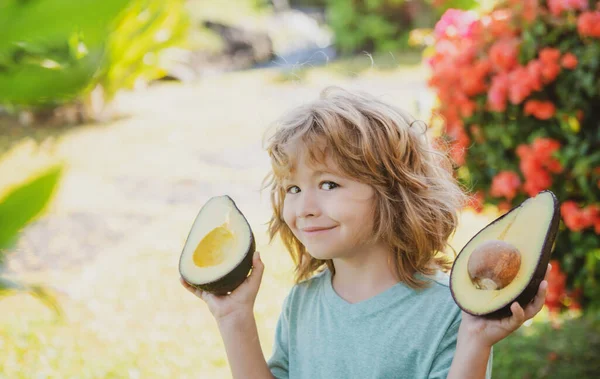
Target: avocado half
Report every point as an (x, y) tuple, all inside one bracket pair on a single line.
[(524, 238), (217, 255)]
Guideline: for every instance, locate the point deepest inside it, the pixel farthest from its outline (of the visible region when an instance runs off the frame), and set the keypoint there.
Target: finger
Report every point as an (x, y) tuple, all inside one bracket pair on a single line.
[(518, 317), (252, 282), (257, 270), (209, 298), (538, 301), (186, 285), (548, 271), (196, 291)]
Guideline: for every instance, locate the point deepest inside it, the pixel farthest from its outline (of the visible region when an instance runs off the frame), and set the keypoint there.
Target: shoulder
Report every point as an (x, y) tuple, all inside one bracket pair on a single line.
[(439, 278), (438, 294), (306, 289)]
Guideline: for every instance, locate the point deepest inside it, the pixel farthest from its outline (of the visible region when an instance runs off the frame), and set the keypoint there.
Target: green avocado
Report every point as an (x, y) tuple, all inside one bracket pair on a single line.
[(507, 260), (217, 255)]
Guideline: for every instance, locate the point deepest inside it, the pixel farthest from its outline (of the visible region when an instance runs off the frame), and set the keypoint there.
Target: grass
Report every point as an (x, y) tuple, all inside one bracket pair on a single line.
[(544, 351)]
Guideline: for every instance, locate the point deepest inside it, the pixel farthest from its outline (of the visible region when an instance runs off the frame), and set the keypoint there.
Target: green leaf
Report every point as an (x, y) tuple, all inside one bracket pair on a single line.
[(77, 46), (25, 203), (528, 48), (8, 288), (584, 186)]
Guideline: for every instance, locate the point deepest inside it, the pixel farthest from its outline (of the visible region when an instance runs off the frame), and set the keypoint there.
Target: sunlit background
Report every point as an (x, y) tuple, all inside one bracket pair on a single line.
[(119, 119)]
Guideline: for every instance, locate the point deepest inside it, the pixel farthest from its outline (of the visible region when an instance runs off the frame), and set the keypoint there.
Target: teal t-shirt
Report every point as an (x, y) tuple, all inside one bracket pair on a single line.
[(399, 333)]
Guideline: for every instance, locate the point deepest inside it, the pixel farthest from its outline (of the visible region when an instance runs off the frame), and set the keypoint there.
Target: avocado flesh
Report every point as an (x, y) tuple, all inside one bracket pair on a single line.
[(531, 229), (217, 255)]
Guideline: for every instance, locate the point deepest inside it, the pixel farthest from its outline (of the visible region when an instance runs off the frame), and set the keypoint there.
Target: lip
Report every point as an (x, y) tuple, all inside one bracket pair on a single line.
[(316, 230)]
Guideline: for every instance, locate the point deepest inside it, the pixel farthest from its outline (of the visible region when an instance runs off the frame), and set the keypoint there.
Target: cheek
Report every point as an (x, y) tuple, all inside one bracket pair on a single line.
[(362, 219)]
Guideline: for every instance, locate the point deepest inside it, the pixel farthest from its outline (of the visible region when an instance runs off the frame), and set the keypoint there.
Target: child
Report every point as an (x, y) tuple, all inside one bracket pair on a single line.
[(365, 206)]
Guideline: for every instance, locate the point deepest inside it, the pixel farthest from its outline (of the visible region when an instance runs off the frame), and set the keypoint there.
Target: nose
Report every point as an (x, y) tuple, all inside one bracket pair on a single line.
[(308, 205)]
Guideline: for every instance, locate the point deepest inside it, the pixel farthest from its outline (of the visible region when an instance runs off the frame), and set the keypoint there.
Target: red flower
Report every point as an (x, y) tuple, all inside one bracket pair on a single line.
[(544, 148), (588, 24), (558, 6), (499, 23), (550, 71), (459, 144), (530, 10), (571, 216), (467, 108), (556, 287), (504, 206), (537, 181), (578, 219), (569, 61), (535, 68), (503, 54), (454, 23), (505, 184), (542, 110), (537, 162), (498, 93), (550, 68), (473, 78), (590, 214), (519, 85), (549, 55)]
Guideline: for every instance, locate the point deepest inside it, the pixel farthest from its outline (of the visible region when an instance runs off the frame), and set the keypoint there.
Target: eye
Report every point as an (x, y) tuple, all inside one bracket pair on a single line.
[(292, 189), (329, 185)]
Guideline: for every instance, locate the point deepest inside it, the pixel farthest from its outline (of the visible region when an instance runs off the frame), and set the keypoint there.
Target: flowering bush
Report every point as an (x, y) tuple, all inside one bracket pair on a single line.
[(519, 96)]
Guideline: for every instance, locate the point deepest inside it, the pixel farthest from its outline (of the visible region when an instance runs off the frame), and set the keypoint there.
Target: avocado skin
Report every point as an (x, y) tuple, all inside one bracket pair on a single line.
[(235, 277), (540, 271)]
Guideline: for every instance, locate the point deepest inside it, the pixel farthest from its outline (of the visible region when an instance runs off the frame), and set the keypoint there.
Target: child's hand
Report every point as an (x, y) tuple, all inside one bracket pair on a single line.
[(488, 332), (238, 303)]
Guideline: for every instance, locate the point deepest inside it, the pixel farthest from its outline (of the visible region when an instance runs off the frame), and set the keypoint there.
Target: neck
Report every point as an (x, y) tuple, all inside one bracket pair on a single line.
[(364, 275)]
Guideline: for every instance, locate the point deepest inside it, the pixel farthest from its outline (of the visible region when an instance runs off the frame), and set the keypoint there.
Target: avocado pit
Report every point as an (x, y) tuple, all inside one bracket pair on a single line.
[(493, 265)]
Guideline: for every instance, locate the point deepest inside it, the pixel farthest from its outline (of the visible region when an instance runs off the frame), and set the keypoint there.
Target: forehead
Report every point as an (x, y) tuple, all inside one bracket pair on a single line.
[(315, 161)]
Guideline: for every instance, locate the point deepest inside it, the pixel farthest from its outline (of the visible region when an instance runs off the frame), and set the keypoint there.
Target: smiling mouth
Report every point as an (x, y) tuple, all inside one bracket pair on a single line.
[(317, 231)]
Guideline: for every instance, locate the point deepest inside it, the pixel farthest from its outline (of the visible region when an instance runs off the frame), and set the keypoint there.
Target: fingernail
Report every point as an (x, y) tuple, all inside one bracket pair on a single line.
[(258, 255)]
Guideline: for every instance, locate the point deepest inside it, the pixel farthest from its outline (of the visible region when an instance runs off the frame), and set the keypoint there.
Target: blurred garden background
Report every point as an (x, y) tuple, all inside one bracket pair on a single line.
[(120, 118)]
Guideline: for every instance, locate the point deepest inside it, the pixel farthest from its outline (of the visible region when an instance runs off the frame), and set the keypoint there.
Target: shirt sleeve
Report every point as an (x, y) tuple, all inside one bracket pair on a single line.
[(445, 353), (279, 362)]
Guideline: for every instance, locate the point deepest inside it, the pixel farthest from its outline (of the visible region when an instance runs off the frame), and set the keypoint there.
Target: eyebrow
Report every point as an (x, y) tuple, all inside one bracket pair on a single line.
[(321, 172), (315, 174)]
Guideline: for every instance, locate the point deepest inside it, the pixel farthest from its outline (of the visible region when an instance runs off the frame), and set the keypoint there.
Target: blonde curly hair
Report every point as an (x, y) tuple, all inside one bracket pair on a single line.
[(417, 196)]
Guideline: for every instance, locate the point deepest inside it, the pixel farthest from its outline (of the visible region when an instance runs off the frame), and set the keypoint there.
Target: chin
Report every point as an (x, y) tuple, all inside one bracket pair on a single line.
[(323, 254)]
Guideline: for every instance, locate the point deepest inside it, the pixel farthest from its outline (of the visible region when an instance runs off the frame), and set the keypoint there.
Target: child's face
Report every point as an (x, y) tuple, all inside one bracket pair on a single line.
[(332, 215)]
